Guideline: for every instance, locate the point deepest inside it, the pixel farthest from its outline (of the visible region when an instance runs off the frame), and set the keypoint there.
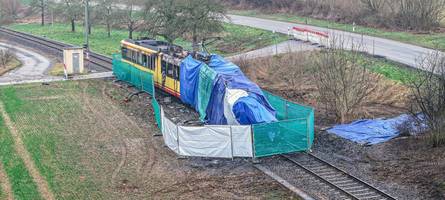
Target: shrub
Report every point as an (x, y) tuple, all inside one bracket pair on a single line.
[(429, 95), (5, 57), (342, 80)]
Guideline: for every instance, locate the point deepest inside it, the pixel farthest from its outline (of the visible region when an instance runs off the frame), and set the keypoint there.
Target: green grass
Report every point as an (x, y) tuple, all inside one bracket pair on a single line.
[(235, 38), (389, 69), (42, 135), (21, 182), (434, 40)]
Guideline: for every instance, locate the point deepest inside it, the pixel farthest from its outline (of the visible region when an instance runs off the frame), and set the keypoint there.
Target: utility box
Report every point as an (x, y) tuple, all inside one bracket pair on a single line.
[(73, 60)]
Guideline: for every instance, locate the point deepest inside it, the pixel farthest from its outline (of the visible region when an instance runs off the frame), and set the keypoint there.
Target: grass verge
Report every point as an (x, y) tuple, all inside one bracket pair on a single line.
[(389, 69), (21, 182), (433, 40), (42, 135), (10, 66), (57, 70), (235, 38)]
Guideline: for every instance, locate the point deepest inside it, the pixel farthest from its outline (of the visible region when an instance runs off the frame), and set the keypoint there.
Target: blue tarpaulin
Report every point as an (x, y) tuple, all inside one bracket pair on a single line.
[(189, 76), (228, 76), (374, 131), (249, 111)]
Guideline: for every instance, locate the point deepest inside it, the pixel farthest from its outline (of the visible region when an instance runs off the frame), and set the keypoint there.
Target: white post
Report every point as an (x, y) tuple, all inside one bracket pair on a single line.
[(231, 141)]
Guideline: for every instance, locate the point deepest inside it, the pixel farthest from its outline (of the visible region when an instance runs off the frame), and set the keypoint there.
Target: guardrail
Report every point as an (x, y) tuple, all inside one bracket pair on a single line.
[(312, 36)]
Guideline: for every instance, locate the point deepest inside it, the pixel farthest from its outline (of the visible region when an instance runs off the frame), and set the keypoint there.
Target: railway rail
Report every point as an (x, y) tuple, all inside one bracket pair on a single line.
[(97, 59), (345, 185)]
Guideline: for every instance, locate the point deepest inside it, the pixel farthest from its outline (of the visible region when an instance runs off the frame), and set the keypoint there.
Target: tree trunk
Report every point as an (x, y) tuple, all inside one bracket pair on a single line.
[(195, 41), (108, 29), (130, 33), (89, 27), (43, 15), (73, 25)]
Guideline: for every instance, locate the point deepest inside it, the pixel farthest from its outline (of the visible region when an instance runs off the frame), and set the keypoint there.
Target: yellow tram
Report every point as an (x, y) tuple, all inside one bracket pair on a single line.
[(156, 57)]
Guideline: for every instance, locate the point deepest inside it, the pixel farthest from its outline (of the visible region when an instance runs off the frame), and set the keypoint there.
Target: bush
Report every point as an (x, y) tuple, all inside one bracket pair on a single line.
[(429, 95), (418, 15), (6, 56), (342, 80)]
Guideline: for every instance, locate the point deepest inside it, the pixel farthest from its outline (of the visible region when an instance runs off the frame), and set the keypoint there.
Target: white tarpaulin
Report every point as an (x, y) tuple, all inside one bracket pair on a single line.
[(205, 141), (242, 141), (230, 98), (170, 133), (208, 141)]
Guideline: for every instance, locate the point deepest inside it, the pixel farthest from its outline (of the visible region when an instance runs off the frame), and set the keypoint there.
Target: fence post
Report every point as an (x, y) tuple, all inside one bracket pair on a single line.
[(308, 132), (253, 144), (231, 141), (286, 114), (177, 138)]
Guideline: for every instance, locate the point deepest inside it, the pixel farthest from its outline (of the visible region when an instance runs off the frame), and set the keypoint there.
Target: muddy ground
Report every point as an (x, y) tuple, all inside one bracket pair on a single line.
[(406, 167), (190, 178)]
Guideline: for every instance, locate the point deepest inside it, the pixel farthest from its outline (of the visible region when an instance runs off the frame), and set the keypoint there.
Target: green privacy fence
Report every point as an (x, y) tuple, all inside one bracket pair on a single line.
[(294, 132), (139, 79)]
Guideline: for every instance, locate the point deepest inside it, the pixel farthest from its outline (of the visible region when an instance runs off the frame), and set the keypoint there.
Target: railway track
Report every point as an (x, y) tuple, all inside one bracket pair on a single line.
[(99, 60), (339, 182)]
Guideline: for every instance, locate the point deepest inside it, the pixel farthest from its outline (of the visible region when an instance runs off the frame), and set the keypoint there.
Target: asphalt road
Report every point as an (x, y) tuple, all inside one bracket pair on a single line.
[(34, 65), (397, 51)]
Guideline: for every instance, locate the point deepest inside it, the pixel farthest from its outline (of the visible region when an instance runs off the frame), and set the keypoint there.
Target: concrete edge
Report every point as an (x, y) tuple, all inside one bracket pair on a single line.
[(283, 182)]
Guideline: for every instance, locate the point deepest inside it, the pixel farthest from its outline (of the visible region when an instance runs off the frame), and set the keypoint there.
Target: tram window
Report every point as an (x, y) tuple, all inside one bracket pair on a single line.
[(133, 56), (144, 60), (176, 72), (153, 61), (139, 61), (124, 53), (170, 70)]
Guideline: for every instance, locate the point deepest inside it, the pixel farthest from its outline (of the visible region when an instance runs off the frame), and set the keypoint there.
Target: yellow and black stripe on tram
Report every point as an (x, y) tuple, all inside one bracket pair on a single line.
[(165, 74)]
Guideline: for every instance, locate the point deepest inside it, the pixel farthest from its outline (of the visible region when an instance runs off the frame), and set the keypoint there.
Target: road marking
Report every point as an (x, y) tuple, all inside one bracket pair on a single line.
[(42, 185), (5, 184)]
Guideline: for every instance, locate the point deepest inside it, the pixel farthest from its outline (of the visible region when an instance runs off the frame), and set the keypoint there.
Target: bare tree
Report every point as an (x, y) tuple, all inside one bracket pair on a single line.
[(107, 10), (71, 10), (164, 18), (203, 18), (9, 9), (5, 57), (131, 16), (419, 14), (429, 95), (343, 83), (40, 5), (374, 6)]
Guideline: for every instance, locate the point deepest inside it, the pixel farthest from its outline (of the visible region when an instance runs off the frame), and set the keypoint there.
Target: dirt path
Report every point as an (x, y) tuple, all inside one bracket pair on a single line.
[(5, 184), (42, 185)]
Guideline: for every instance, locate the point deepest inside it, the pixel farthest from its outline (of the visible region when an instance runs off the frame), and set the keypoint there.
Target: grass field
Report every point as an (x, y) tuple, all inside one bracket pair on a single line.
[(235, 39), (21, 182), (89, 144), (434, 40)]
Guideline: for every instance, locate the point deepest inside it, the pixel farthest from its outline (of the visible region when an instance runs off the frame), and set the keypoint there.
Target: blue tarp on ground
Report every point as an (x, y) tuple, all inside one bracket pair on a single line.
[(374, 131), (189, 76)]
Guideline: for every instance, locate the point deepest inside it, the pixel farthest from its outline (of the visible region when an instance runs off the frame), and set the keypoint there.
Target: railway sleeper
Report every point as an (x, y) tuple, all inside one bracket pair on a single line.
[(358, 191), (343, 181), (350, 184), (353, 188), (367, 194)]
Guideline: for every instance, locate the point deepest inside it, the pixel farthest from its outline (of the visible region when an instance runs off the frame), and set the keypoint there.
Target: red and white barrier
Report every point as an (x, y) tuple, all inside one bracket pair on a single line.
[(308, 35)]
